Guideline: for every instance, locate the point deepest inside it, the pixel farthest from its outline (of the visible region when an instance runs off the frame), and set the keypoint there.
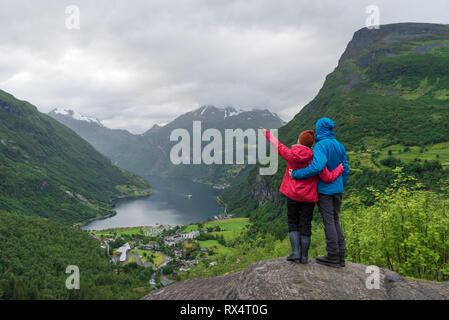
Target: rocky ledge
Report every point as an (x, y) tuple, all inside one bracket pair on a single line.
[(278, 279)]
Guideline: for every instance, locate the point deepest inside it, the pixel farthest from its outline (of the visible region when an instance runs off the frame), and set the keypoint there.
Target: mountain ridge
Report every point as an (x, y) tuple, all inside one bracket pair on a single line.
[(148, 154)]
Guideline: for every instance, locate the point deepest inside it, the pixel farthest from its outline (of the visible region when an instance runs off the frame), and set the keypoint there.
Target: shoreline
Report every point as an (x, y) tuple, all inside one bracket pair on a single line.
[(146, 226), (79, 225), (114, 202), (217, 198)]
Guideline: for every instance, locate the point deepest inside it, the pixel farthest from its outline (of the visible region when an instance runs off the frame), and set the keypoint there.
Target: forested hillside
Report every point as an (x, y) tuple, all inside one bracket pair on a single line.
[(35, 253), (47, 170)]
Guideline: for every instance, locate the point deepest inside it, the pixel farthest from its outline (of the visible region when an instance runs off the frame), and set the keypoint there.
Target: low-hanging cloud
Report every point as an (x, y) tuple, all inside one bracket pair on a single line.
[(134, 64)]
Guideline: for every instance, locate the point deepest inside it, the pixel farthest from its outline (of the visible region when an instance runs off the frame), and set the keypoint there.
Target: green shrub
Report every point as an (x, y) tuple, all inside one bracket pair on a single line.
[(406, 231)]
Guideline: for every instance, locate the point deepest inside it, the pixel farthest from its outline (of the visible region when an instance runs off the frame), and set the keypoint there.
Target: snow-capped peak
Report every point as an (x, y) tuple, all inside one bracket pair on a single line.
[(62, 111), (233, 112), (77, 116)]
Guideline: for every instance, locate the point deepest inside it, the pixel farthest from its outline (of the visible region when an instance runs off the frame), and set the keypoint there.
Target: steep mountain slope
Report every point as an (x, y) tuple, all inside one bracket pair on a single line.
[(112, 143), (149, 153), (390, 88), (47, 170)]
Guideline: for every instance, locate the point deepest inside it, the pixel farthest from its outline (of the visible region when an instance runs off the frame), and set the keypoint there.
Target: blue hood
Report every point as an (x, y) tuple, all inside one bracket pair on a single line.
[(327, 152), (324, 129)]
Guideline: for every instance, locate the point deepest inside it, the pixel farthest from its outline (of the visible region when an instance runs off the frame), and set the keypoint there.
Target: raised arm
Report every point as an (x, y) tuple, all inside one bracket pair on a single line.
[(281, 149), (315, 167)]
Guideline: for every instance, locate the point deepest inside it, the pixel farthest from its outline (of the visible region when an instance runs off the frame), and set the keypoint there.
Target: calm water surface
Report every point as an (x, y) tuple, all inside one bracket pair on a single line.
[(174, 201)]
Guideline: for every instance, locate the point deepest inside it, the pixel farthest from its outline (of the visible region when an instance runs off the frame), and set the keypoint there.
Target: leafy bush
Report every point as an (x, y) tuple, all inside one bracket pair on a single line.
[(407, 230), (391, 162)]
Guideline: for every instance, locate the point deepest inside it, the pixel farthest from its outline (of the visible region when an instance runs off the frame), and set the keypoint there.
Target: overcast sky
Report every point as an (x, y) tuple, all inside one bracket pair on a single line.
[(136, 63)]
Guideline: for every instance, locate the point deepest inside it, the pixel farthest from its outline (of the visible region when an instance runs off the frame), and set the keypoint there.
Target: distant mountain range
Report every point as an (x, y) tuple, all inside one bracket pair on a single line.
[(148, 154)]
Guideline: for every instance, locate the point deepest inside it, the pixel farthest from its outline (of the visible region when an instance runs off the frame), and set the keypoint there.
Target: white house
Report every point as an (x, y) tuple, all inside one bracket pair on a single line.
[(123, 250), (172, 240), (190, 235)]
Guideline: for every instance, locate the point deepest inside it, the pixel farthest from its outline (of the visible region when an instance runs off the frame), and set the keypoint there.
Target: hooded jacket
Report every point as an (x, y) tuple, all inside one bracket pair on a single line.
[(300, 157), (327, 153)]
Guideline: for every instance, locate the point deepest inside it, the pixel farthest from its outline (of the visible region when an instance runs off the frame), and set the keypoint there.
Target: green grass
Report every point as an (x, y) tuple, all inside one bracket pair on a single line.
[(119, 232), (132, 191), (219, 249), (430, 152), (229, 224), (159, 258), (229, 228), (439, 152), (191, 227)]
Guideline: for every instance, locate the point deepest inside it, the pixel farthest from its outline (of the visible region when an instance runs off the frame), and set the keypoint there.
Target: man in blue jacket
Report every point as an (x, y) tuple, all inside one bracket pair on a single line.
[(331, 153)]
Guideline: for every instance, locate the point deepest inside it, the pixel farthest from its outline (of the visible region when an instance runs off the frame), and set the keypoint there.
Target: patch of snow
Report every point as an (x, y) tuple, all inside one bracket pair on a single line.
[(62, 111), (80, 117), (77, 116), (235, 112)]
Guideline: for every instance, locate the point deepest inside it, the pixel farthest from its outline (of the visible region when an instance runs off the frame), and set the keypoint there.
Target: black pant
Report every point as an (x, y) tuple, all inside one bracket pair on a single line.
[(299, 216), (329, 206)]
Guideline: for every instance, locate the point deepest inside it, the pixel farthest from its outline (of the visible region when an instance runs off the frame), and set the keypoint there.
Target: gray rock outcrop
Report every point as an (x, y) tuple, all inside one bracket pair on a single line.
[(278, 279)]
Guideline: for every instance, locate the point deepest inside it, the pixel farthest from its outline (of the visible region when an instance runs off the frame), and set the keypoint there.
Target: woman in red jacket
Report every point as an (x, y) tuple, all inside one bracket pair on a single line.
[(301, 193)]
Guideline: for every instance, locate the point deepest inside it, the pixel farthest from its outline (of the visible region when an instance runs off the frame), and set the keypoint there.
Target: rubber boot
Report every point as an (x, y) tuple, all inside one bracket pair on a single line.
[(342, 260), (330, 260), (294, 241), (305, 244)]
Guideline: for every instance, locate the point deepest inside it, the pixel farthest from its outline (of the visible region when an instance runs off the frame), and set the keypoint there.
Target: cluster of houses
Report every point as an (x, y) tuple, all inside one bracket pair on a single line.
[(179, 263), (223, 217), (177, 238), (185, 265), (121, 253), (157, 230)]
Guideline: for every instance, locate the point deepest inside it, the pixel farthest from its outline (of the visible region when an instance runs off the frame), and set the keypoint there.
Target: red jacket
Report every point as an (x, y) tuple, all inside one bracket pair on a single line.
[(299, 157)]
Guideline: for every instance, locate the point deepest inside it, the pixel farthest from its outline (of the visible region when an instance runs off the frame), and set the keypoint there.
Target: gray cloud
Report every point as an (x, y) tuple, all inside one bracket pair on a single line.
[(133, 64)]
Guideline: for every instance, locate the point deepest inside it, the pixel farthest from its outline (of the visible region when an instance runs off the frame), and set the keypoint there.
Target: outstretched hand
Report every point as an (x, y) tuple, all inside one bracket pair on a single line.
[(263, 129)]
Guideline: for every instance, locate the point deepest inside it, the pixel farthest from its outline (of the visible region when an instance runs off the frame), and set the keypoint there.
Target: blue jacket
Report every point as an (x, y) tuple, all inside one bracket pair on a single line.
[(327, 152)]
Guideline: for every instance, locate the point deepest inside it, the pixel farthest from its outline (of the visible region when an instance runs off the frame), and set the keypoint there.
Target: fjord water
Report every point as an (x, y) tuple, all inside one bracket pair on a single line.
[(174, 202)]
